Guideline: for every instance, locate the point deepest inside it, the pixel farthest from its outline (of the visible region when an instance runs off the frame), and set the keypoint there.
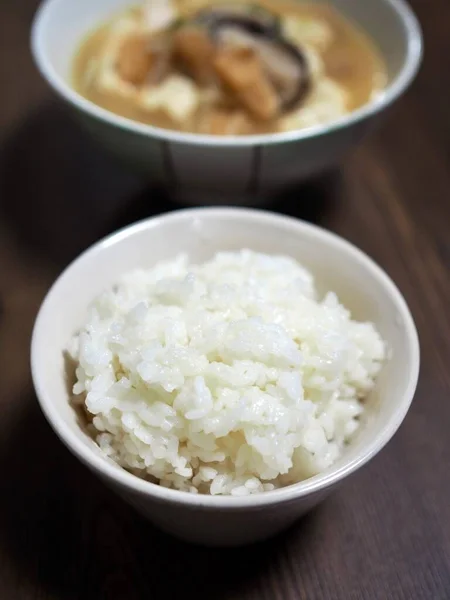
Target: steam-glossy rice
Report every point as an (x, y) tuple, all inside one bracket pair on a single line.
[(229, 377)]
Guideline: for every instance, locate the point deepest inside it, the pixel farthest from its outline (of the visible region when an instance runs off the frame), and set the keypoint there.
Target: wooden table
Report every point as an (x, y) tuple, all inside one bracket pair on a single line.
[(386, 533)]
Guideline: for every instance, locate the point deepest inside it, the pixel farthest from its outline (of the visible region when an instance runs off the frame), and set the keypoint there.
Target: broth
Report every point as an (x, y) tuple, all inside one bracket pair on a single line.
[(351, 73)]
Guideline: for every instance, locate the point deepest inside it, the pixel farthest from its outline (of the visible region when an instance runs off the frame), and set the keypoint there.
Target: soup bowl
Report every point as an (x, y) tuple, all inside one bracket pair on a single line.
[(337, 265), (210, 169)]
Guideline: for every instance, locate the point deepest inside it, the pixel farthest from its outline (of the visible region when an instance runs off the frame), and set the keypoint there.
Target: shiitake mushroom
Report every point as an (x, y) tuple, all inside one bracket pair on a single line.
[(253, 16), (247, 25)]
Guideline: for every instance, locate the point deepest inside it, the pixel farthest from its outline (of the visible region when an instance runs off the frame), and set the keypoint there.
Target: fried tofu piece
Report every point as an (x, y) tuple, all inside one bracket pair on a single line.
[(241, 71), (195, 51), (134, 59)]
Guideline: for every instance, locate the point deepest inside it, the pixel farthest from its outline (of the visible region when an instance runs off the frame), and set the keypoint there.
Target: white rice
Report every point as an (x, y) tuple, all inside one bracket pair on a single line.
[(229, 377)]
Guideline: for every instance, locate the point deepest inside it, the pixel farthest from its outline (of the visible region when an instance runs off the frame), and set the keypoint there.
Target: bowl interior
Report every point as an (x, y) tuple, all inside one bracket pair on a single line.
[(337, 265), (64, 23)]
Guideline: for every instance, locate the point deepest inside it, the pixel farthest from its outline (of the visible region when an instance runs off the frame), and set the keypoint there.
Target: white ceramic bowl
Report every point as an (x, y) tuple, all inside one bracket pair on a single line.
[(205, 169), (338, 266)]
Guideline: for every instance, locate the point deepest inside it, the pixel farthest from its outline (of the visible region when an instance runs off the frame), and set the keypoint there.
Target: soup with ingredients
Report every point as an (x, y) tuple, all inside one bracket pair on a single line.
[(231, 68)]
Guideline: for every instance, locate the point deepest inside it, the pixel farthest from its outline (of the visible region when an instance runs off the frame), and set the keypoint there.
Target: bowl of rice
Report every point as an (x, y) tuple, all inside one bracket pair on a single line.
[(224, 369)]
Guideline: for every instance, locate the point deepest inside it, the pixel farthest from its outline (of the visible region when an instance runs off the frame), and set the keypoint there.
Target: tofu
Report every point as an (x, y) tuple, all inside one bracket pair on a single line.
[(241, 71), (327, 102), (314, 32), (159, 14), (195, 52), (177, 96), (109, 82)]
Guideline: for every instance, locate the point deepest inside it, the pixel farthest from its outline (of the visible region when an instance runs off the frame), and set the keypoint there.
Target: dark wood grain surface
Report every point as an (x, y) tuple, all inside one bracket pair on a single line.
[(386, 533)]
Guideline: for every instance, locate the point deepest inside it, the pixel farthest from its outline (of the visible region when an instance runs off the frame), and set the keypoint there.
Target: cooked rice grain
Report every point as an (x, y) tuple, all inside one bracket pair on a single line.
[(229, 377)]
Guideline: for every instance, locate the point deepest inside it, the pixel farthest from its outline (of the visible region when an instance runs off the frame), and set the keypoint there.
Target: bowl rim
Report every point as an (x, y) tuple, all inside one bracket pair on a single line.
[(412, 62), (315, 484)]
